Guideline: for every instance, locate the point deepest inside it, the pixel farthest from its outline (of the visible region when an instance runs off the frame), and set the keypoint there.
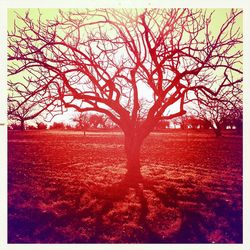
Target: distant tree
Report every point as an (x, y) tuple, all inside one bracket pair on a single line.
[(214, 114), (14, 126), (31, 127), (69, 127), (23, 105), (95, 120), (190, 121), (41, 125), (235, 118), (104, 121), (102, 60), (193, 122), (238, 121), (58, 126), (206, 123), (163, 124), (109, 124), (82, 121), (22, 112), (180, 122), (222, 110)]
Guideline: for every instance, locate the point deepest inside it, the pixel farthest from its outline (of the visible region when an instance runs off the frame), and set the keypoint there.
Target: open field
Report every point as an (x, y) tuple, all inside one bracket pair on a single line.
[(62, 189)]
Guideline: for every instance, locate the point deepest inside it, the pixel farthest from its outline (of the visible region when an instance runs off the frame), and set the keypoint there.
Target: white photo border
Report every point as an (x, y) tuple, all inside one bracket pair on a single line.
[(5, 4)]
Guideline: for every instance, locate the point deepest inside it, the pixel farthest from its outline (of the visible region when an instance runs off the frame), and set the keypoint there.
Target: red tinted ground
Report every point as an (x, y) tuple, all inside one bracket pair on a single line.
[(61, 189)]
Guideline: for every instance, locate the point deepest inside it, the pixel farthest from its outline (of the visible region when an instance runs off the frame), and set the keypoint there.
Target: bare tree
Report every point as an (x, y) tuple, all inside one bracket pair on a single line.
[(225, 108), (189, 121), (22, 113), (96, 120), (58, 126), (41, 125), (236, 118), (25, 103), (82, 121), (163, 124), (103, 60)]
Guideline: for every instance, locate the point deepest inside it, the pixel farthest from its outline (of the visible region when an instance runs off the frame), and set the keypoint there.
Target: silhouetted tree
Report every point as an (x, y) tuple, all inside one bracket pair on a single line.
[(57, 125), (31, 127), (14, 126), (98, 120), (222, 110), (189, 121), (41, 125), (206, 123), (235, 118), (95, 120), (22, 112), (180, 122), (82, 121), (69, 127), (102, 60), (194, 122), (163, 124)]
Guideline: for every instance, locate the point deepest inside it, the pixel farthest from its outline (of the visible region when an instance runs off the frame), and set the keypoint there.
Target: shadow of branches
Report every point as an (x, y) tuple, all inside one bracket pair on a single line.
[(121, 214)]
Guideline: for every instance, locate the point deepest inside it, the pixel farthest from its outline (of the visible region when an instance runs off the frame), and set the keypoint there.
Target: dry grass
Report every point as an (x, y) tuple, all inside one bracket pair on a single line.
[(63, 189)]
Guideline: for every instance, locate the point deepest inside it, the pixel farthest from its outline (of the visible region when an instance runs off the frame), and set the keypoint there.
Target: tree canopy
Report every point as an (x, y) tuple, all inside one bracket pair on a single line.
[(104, 59)]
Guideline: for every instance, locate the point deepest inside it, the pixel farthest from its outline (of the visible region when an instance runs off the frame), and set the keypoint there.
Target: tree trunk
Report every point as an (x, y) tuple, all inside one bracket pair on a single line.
[(132, 148), (22, 127), (217, 130)]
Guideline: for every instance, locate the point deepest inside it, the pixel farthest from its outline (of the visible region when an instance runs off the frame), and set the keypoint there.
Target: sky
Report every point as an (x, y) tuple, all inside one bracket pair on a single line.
[(219, 16), (49, 13)]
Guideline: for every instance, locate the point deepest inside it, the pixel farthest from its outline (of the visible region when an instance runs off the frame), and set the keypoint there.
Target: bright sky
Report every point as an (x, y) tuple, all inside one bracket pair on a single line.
[(219, 17), (49, 13)]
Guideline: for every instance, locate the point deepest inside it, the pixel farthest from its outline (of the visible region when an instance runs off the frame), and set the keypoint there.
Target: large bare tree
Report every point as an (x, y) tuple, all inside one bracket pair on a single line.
[(131, 65)]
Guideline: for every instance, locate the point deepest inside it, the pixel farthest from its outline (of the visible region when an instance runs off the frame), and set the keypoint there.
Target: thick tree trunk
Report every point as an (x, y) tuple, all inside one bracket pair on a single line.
[(132, 148), (22, 127), (217, 130)]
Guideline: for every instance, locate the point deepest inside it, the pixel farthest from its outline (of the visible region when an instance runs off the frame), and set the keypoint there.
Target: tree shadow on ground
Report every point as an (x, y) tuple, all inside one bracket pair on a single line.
[(212, 220), (82, 219)]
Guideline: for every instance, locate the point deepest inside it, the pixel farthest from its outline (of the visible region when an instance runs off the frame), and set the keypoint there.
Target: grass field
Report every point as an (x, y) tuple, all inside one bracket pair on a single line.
[(62, 188)]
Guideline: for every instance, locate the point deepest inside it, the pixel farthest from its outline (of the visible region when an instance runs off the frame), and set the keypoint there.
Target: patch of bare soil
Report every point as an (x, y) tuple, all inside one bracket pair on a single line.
[(64, 188)]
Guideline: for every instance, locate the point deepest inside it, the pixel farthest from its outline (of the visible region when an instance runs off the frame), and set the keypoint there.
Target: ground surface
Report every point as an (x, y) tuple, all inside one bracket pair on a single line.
[(62, 189)]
